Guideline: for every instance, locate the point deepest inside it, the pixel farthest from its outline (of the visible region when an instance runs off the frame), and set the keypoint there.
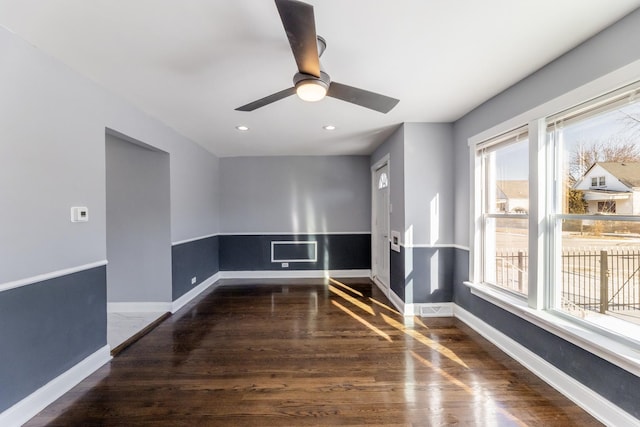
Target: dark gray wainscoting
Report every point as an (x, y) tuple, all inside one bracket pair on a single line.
[(606, 379), (396, 272), (334, 252), (48, 327), (198, 258), (413, 271)]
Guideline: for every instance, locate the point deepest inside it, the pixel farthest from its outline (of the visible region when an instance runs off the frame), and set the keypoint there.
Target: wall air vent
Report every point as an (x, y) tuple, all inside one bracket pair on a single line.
[(294, 251), (436, 310)]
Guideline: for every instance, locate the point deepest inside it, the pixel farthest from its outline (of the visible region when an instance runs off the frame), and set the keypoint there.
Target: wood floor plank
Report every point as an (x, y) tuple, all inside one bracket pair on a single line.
[(310, 354)]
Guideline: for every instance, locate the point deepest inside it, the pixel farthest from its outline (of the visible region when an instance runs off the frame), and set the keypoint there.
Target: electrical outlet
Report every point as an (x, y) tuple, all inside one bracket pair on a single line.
[(193, 280), (285, 265)]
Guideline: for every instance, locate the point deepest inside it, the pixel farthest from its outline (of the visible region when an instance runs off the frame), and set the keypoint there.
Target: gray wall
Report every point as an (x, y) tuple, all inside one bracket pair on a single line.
[(195, 192), (138, 223), (319, 194), (52, 157), (421, 187), (609, 51), (394, 147), (52, 125), (428, 182), (612, 49), (48, 327)]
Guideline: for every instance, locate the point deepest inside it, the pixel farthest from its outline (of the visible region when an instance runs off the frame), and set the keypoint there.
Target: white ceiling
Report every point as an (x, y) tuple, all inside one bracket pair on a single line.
[(189, 63)]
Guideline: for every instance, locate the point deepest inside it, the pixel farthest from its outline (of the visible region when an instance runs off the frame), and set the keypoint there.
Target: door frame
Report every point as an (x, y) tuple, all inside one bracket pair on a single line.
[(384, 161)]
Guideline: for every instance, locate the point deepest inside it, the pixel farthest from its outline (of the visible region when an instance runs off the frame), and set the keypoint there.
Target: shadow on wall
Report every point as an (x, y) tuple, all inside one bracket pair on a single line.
[(427, 275)]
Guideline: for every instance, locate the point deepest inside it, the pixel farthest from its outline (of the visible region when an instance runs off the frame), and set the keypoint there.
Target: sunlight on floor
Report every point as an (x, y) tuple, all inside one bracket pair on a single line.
[(361, 320), (487, 400), (391, 322), (424, 340), (488, 405), (352, 300), (342, 285)]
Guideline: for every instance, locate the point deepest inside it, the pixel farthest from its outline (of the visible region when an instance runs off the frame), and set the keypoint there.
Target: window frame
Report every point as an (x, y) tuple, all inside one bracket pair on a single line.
[(579, 113), (537, 309), (483, 150)]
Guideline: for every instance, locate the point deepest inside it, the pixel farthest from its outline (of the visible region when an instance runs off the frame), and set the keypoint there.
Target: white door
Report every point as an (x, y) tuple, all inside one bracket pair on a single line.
[(381, 225)]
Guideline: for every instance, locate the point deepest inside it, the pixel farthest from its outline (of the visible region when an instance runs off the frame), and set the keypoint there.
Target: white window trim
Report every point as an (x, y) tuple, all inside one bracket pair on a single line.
[(619, 352)]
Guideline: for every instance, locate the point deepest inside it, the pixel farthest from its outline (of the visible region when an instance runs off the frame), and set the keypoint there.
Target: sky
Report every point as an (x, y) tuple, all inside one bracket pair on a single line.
[(512, 160)]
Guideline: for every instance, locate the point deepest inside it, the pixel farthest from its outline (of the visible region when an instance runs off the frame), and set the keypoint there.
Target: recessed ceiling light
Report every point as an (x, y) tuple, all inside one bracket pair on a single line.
[(242, 128), (329, 127)]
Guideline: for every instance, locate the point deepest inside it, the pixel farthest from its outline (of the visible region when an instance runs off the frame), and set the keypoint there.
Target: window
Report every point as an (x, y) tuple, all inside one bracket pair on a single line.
[(585, 207), (596, 243), (598, 181), (505, 202), (607, 207), (383, 182)]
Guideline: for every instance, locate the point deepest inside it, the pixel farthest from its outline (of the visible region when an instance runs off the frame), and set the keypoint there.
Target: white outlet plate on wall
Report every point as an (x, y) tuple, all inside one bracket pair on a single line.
[(395, 240), (79, 214)]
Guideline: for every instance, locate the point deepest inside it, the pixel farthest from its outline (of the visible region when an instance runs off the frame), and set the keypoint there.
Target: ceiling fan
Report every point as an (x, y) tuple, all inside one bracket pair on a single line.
[(311, 83)]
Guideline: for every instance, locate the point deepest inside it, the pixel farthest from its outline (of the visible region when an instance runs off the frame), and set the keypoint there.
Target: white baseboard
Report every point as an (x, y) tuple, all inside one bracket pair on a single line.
[(138, 307), (396, 301), (29, 407), (186, 298), (587, 399), (293, 274)]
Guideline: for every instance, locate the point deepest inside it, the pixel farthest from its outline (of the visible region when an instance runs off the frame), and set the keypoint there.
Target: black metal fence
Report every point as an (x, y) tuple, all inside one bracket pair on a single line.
[(593, 280)]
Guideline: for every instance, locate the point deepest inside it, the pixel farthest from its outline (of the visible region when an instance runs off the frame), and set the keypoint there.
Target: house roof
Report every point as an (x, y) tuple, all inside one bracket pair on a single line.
[(627, 172), (514, 189)]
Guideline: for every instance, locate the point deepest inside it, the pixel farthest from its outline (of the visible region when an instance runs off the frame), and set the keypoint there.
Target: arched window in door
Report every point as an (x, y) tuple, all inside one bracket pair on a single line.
[(383, 181)]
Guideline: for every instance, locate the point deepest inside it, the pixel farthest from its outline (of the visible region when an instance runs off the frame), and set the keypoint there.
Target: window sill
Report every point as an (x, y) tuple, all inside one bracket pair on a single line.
[(622, 354)]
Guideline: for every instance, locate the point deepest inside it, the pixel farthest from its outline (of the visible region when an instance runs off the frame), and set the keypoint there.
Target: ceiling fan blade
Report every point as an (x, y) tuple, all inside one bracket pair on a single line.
[(364, 98), (300, 25), (267, 100)]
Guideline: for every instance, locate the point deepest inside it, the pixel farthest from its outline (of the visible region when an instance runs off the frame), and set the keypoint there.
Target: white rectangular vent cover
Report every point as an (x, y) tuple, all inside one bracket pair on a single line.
[(436, 310), (294, 251)]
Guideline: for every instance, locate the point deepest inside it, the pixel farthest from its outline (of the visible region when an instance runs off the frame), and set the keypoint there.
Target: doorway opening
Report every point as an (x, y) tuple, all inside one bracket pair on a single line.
[(138, 234)]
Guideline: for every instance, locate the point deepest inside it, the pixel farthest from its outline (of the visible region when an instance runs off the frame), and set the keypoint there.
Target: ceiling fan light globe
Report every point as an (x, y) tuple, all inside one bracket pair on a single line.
[(311, 90)]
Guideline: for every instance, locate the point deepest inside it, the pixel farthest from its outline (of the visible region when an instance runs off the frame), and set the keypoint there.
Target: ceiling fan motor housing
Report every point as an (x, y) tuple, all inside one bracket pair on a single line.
[(301, 78)]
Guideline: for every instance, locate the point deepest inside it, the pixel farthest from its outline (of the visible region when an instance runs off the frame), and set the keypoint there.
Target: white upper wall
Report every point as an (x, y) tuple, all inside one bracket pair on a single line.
[(52, 157), (428, 183), (421, 182), (308, 194)]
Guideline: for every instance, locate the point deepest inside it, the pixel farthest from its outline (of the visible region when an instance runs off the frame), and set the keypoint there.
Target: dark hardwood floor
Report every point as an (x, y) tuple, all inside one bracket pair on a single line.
[(310, 354)]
